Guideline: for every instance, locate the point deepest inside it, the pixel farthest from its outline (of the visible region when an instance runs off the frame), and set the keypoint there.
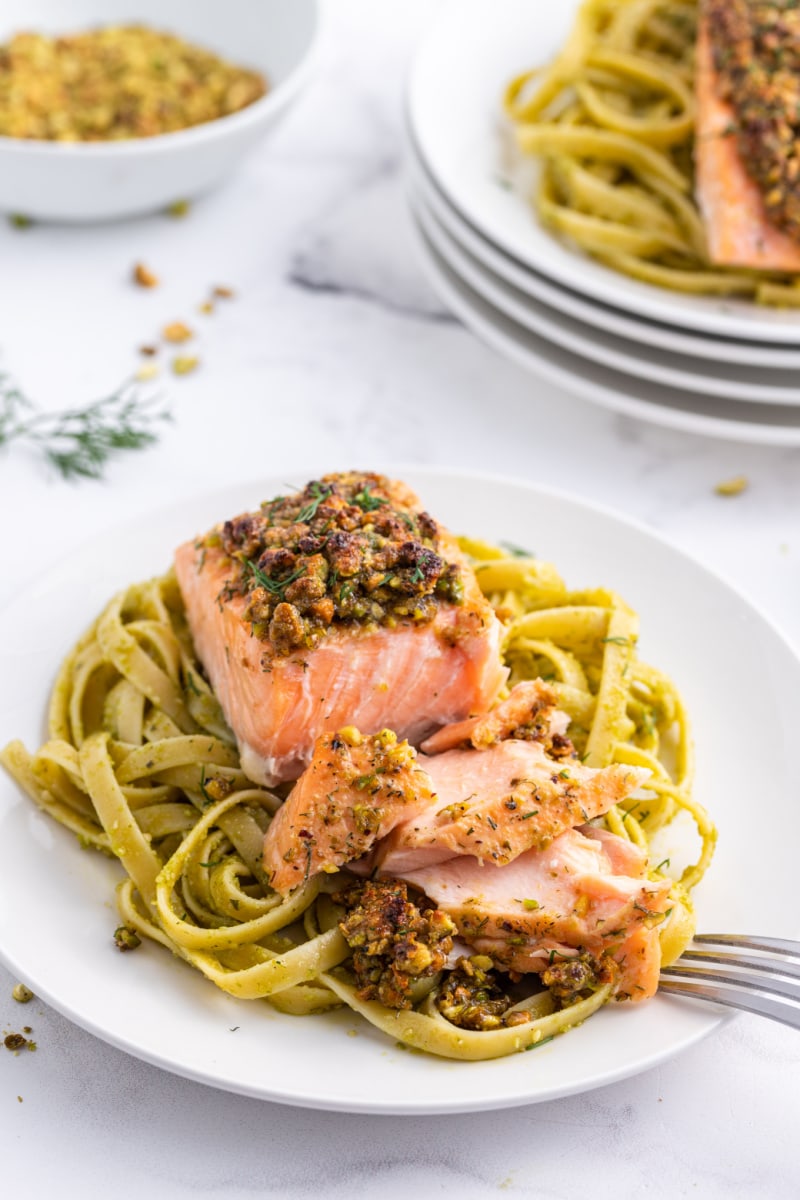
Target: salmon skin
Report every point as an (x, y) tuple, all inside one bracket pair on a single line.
[(345, 603), (585, 896), (741, 230)]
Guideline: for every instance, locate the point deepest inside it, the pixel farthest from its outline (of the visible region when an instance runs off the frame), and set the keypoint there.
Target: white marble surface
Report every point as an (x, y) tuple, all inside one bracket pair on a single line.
[(335, 353)]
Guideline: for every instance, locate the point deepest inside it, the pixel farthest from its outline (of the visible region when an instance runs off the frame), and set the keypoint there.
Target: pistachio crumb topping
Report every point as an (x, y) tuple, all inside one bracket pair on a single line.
[(126, 938), (394, 940), (347, 549)]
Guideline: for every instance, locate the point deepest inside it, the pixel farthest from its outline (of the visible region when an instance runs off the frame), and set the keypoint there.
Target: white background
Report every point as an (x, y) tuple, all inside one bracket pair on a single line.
[(335, 353)]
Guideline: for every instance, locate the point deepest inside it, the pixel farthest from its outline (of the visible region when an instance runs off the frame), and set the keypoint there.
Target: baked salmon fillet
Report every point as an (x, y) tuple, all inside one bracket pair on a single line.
[(343, 604), (746, 83)]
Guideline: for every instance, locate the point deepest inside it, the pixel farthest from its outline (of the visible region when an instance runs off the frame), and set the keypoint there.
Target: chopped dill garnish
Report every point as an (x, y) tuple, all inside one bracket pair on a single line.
[(318, 494), (542, 1042), (275, 587)]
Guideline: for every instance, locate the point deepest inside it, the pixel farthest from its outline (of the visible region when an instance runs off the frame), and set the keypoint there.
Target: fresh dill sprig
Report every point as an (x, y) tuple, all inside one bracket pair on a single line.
[(366, 501), (78, 442), (318, 494), (276, 587)]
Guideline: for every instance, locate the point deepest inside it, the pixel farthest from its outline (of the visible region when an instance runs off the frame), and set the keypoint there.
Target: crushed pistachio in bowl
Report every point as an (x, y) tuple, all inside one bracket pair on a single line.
[(115, 83)]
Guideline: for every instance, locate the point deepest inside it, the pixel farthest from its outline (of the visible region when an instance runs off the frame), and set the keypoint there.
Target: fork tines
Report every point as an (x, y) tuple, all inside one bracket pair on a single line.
[(758, 974)]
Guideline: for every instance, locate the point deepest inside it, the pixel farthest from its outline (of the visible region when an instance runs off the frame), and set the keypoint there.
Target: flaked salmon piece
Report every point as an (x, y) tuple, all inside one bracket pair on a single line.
[(497, 803), (354, 791), (344, 604), (738, 231), (567, 900), (530, 712)]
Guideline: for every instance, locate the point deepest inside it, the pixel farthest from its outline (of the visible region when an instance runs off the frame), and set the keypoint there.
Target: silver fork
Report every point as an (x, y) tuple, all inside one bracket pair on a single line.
[(758, 974)]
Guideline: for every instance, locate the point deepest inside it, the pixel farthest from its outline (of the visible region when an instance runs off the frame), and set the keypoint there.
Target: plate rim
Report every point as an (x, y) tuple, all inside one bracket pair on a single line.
[(591, 346), (681, 417), (598, 315), (644, 297), (714, 1017)]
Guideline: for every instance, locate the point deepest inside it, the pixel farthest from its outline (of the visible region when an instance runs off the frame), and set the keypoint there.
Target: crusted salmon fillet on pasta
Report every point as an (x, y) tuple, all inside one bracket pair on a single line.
[(472, 898), (345, 603)]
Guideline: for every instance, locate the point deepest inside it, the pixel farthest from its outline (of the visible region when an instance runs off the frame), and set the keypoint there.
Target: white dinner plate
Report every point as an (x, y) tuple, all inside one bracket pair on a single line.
[(56, 900), (590, 312), (690, 412), (660, 366), (468, 56)]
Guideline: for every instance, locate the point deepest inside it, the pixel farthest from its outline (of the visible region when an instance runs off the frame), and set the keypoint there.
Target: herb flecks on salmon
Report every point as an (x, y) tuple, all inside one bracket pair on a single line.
[(347, 549), (394, 940), (497, 803), (354, 791)]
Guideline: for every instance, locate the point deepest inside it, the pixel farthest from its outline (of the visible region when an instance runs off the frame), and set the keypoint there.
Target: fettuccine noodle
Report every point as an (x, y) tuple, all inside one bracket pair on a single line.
[(140, 765)]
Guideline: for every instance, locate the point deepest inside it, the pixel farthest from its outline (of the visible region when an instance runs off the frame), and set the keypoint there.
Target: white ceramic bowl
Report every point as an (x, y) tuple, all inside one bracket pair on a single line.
[(101, 181)]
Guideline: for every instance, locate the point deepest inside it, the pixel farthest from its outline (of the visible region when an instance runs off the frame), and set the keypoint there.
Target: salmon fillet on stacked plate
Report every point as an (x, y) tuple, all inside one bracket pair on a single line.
[(341, 604), (747, 143)]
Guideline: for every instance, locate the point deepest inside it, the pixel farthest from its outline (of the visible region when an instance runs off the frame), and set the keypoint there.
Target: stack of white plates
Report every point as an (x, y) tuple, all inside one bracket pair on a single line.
[(721, 367)]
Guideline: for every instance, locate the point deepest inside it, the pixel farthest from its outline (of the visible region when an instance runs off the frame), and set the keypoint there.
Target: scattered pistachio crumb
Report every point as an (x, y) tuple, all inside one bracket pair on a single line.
[(15, 1041), (184, 364), (179, 208), (148, 351), (22, 994), (530, 905), (144, 277), (32, 1046), (27, 1029), (352, 1033), (146, 371), (176, 331), (224, 293), (19, 1098), (126, 939), (19, 221), (732, 487), (206, 307)]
